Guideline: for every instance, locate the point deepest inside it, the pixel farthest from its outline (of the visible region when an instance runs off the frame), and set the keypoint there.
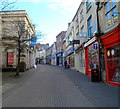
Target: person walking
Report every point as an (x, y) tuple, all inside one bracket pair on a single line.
[(65, 64)]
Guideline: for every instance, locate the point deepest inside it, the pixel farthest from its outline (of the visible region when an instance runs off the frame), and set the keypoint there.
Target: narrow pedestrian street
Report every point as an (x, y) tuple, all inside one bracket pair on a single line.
[(54, 86)]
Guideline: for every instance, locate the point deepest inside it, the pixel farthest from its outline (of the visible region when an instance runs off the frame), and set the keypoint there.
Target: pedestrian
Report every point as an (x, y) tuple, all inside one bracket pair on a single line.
[(65, 63)]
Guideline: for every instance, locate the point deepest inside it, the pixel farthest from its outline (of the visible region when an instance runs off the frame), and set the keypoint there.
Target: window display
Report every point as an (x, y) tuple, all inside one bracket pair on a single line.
[(113, 62), (93, 56)]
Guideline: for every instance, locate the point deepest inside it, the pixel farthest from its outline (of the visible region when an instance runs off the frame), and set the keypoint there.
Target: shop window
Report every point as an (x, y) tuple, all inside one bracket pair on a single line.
[(82, 61), (89, 22), (113, 63), (72, 60), (93, 56)]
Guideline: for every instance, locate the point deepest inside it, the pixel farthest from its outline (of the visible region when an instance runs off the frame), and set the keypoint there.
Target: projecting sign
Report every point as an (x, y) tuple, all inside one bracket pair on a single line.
[(76, 41), (95, 46)]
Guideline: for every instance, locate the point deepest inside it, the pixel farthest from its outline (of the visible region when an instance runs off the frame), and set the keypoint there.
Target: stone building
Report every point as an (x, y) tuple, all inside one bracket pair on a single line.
[(69, 54), (109, 26), (81, 29), (16, 24), (53, 54), (85, 27), (48, 55), (92, 40), (42, 51), (0, 40), (59, 44)]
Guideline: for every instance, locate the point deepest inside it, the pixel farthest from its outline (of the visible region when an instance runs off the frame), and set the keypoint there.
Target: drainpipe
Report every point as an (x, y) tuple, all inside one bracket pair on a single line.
[(98, 36), (98, 24), (100, 42)]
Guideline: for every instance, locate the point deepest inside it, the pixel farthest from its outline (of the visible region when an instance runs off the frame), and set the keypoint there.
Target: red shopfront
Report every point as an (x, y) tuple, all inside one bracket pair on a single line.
[(111, 42), (91, 55)]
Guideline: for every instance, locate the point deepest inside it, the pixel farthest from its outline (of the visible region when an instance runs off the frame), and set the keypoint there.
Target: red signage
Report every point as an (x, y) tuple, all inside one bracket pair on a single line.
[(10, 58)]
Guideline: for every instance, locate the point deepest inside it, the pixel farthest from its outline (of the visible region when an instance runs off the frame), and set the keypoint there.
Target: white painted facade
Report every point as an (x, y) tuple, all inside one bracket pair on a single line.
[(8, 24)]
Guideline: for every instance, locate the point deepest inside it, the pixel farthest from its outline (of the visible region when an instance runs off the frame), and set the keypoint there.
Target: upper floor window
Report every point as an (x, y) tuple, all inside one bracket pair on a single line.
[(82, 31), (113, 3), (88, 5), (77, 35), (111, 12), (89, 23), (81, 15), (70, 38)]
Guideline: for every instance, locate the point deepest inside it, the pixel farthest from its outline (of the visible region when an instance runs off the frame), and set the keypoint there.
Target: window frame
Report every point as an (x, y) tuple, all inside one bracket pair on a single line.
[(89, 26), (113, 19), (88, 5), (81, 15)]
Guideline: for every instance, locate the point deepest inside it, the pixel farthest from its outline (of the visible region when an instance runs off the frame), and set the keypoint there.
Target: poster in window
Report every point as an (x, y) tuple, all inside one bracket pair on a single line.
[(10, 58)]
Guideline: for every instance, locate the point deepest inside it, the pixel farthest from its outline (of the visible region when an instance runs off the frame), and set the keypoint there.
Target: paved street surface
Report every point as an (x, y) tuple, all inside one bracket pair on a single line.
[(53, 86)]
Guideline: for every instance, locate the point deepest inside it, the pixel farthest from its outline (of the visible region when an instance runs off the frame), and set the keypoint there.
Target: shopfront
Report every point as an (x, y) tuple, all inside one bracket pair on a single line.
[(48, 59), (70, 57), (111, 43), (53, 59), (60, 59), (91, 55), (80, 59)]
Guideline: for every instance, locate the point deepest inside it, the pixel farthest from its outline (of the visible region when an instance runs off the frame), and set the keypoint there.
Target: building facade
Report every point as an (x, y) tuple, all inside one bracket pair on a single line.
[(48, 55), (0, 40), (59, 45), (69, 54), (82, 28), (41, 53), (14, 22), (53, 54), (88, 28), (42, 50), (109, 18)]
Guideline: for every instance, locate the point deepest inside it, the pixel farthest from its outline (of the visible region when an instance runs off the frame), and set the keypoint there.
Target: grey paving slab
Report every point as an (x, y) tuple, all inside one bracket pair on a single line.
[(107, 95), (51, 86)]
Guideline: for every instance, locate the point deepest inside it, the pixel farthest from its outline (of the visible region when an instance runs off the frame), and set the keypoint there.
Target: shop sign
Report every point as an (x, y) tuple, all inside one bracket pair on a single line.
[(10, 50), (76, 41), (95, 46), (90, 41)]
